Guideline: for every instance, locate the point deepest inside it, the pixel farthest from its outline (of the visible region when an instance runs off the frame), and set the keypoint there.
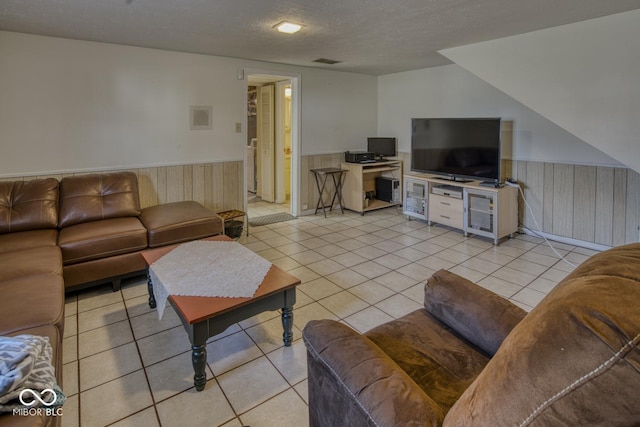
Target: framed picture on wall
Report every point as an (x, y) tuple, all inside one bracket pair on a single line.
[(200, 117)]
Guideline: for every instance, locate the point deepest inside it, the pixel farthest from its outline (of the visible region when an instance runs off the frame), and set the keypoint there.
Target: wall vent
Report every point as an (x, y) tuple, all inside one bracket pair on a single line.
[(326, 61)]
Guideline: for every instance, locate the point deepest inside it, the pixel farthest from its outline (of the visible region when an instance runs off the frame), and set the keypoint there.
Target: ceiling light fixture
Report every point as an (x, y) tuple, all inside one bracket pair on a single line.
[(288, 27)]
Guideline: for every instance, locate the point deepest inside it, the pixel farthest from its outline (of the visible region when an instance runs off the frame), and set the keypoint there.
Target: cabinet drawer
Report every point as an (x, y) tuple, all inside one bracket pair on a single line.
[(446, 210)]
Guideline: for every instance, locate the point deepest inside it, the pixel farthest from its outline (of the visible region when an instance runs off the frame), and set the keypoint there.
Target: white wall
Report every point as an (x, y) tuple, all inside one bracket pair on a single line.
[(451, 91), (582, 76), (339, 111), (68, 105)]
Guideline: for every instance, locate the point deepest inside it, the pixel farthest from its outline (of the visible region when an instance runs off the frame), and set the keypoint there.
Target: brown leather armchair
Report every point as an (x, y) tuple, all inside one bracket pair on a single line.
[(471, 358)]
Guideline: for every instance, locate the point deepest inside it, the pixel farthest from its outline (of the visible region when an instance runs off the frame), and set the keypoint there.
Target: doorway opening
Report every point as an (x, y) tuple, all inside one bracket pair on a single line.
[(272, 145)]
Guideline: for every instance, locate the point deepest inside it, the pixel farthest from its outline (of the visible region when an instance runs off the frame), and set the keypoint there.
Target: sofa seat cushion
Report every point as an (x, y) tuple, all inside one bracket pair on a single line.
[(27, 240), (101, 239), (179, 222), (30, 262), (30, 302), (442, 363)]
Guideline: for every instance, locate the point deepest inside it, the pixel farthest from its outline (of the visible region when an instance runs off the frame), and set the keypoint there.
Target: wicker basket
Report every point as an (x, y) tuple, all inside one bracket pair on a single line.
[(233, 229)]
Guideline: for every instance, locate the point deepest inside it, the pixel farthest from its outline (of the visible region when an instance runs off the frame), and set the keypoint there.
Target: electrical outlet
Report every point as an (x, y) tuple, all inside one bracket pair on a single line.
[(238, 127), (305, 206)]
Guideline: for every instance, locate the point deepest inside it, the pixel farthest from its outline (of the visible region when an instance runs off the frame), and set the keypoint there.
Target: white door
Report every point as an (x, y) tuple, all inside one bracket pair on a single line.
[(266, 143)]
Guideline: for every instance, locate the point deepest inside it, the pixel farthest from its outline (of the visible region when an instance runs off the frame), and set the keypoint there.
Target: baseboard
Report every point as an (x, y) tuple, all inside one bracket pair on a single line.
[(566, 240)]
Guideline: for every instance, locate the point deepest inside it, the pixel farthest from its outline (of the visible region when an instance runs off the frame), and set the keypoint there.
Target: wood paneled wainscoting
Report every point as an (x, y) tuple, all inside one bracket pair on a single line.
[(594, 204), (218, 186), (308, 189)]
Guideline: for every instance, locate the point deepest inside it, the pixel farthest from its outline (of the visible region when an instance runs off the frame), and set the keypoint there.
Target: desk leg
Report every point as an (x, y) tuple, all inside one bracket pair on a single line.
[(321, 191), (152, 298), (287, 325), (338, 194)]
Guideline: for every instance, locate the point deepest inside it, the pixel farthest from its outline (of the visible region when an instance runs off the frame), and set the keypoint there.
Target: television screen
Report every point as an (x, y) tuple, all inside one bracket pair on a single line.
[(382, 147), (457, 148)]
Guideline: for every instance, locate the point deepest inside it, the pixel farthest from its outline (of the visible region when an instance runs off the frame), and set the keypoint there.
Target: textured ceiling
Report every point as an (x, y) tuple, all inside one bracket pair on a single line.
[(368, 36)]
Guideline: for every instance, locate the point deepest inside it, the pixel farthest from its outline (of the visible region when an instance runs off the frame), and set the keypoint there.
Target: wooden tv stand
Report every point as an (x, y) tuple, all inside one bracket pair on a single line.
[(468, 206), (361, 178)]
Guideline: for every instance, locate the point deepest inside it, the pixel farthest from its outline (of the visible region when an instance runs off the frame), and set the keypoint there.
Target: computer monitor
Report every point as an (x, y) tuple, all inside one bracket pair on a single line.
[(382, 146)]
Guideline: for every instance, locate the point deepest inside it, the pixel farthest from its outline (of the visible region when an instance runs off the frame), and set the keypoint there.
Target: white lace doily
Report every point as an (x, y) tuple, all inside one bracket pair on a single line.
[(208, 269)]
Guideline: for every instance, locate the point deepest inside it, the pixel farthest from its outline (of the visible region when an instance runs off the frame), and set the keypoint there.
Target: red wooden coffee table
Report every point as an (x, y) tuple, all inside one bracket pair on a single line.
[(204, 317)]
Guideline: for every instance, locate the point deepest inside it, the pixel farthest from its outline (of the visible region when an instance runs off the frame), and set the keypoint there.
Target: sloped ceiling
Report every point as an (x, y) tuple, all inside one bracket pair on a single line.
[(584, 77)]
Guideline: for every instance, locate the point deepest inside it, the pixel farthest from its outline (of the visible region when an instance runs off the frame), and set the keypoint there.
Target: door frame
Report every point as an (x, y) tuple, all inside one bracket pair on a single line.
[(295, 79), (267, 125), (280, 193)]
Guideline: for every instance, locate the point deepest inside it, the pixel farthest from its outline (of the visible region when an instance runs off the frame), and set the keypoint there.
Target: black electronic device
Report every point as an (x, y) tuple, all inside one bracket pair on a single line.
[(382, 146), (359, 157), (388, 189), (457, 148), (448, 190)]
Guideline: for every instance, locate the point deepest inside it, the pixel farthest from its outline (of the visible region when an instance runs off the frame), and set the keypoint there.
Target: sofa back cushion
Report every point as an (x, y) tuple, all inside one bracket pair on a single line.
[(94, 197), (573, 360), (477, 314), (28, 205)]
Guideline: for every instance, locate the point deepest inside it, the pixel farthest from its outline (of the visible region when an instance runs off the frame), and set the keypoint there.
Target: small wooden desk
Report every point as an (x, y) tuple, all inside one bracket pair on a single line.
[(204, 317), (322, 175)]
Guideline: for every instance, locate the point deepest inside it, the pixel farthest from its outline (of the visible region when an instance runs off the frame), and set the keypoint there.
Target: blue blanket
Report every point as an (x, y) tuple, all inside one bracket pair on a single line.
[(27, 377)]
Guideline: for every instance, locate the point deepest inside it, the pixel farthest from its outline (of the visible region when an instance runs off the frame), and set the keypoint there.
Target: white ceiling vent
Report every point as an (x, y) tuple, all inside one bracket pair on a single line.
[(326, 61)]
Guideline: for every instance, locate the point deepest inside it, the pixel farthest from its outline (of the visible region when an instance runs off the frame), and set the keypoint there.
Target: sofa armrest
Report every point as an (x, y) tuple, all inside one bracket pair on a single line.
[(477, 314), (352, 382)]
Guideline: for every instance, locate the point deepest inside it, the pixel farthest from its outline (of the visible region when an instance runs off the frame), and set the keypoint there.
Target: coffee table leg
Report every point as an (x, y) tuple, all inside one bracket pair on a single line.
[(152, 298), (287, 325), (199, 358)]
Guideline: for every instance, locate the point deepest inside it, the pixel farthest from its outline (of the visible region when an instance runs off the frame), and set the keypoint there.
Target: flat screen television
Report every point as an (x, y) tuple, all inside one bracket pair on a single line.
[(382, 147), (459, 149)]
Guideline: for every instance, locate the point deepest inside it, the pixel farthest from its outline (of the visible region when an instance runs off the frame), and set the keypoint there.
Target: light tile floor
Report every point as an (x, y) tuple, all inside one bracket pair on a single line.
[(123, 367), (257, 207)]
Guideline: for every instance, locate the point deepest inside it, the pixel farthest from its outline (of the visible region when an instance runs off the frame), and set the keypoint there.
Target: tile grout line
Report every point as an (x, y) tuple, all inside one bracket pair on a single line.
[(144, 369), (265, 354), (78, 358)]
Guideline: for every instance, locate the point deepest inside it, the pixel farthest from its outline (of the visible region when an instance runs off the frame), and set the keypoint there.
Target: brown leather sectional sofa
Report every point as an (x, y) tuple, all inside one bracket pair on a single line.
[(471, 358), (81, 231)]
